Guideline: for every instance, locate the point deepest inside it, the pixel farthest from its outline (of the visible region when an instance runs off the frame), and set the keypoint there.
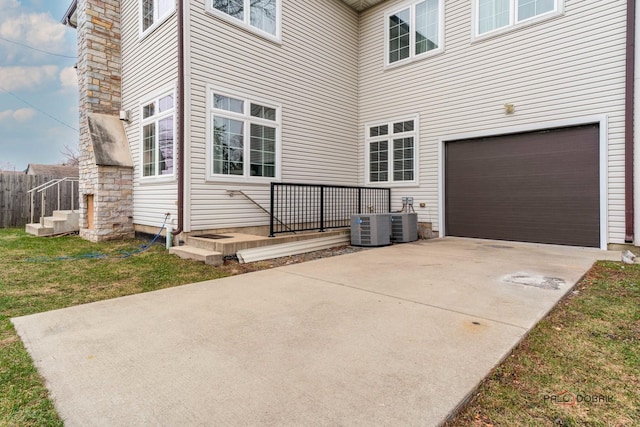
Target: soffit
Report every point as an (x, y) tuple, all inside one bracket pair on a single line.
[(361, 5)]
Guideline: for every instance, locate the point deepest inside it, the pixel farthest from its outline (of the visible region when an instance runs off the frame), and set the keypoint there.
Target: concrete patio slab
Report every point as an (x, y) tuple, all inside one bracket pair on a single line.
[(390, 336), (471, 276)]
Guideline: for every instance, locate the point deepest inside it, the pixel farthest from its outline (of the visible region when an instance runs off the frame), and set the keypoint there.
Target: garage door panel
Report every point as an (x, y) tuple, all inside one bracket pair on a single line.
[(536, 187)]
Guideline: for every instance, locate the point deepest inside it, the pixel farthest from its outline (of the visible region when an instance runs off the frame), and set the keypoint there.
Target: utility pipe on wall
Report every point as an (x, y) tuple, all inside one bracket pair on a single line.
[(169, 238)]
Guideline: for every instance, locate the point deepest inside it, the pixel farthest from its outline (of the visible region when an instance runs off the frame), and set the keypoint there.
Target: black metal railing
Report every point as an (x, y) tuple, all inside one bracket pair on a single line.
[(306, 207)]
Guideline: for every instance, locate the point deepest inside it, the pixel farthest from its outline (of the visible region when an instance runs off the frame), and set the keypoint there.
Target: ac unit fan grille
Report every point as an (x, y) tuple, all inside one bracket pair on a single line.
[(365, 235)]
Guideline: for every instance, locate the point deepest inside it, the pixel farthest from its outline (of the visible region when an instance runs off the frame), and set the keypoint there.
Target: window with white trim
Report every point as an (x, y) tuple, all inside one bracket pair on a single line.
[(261, 15), (414, 31), (154, 11), (493, 15), (158, 136), (391, 151), (245, 137)]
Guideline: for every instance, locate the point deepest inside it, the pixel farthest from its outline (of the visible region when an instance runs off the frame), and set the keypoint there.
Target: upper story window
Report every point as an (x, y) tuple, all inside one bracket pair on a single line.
[(493, 15), (158, 135), (261, 16), (245, 137), (391, 151), (155, 11), (414, 31)]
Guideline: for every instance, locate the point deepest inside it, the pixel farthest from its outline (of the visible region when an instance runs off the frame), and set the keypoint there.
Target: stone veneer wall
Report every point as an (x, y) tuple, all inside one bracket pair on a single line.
[(114, 197), (99, 84)]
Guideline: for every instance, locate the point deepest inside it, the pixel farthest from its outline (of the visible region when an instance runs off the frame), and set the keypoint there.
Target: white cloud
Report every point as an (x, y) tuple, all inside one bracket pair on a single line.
[(38, 30), (22, 115), (69, 78), (5, 5), (16, 78)]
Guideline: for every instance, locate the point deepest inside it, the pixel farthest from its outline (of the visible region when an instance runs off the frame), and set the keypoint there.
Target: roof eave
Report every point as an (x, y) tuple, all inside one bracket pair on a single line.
[(70, 18)]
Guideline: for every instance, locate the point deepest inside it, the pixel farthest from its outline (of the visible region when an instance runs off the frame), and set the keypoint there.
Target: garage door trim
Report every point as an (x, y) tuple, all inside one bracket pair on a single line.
[(600, 120)]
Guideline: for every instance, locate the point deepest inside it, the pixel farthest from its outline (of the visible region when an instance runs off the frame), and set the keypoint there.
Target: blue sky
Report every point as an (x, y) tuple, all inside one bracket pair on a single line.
[(47, 82)]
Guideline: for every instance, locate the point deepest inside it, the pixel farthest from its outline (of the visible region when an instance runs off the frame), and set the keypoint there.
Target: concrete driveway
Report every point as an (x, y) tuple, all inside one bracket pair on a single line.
[(389, 336)]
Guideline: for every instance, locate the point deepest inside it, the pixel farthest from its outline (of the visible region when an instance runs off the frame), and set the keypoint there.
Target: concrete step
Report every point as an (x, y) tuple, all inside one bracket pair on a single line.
[(62, 222), (61, 226), (39, 230), (230, 243), (71, 215), (198, 254)]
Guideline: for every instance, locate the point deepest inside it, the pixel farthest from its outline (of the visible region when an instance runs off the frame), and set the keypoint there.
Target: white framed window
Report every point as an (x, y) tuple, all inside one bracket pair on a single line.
[(492, 16), (414, 31), (259, 16), (153, 12), (158, 135), (391, 151), (244, 141)]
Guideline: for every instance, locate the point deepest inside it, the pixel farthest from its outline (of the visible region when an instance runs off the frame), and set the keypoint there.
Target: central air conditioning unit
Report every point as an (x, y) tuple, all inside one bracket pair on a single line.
[(371, 230), (404, 227)]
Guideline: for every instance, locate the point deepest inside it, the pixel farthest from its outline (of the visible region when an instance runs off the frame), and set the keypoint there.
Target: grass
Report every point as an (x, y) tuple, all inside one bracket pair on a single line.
[(580, 366), (32, 280), (589, 345)]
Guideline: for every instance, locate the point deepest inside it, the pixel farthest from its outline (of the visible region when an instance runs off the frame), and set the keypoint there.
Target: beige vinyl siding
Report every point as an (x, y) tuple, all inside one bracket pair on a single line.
[(312, 74), (567, 67), (149, 64)]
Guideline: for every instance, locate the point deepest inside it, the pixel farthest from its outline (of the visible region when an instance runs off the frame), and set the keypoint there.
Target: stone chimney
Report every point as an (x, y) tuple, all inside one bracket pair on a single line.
[(106, 169)]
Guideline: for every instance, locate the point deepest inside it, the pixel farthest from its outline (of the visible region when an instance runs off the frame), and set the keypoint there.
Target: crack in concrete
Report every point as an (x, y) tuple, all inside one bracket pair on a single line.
[(524, 328)]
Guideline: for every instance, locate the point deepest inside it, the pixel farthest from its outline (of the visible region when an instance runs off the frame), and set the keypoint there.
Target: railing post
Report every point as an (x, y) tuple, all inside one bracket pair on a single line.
[(321, 208), (73, 199), (271, 210), (389, 200), (32, 195), (58, 186), (42, 208), (359, 201)]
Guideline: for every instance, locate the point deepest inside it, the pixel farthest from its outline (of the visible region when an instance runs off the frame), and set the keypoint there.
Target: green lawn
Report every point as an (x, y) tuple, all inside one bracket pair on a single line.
[(580, 366), (32, 280), (588, 346)]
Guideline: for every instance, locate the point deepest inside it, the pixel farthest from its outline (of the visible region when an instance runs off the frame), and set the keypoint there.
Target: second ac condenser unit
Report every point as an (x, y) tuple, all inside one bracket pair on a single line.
[(404, 227), (371, 230)]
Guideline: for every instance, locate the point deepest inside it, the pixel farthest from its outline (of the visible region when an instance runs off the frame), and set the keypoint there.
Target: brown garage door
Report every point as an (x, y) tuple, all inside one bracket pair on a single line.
[(533, 187)]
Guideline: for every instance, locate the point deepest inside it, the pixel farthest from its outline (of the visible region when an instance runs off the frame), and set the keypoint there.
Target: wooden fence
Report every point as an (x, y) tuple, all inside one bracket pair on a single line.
[(15, 205)]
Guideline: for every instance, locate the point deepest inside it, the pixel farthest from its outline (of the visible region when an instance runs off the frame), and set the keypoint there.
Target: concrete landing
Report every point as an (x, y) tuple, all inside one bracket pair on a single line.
[(395, 336), (230, 243)]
